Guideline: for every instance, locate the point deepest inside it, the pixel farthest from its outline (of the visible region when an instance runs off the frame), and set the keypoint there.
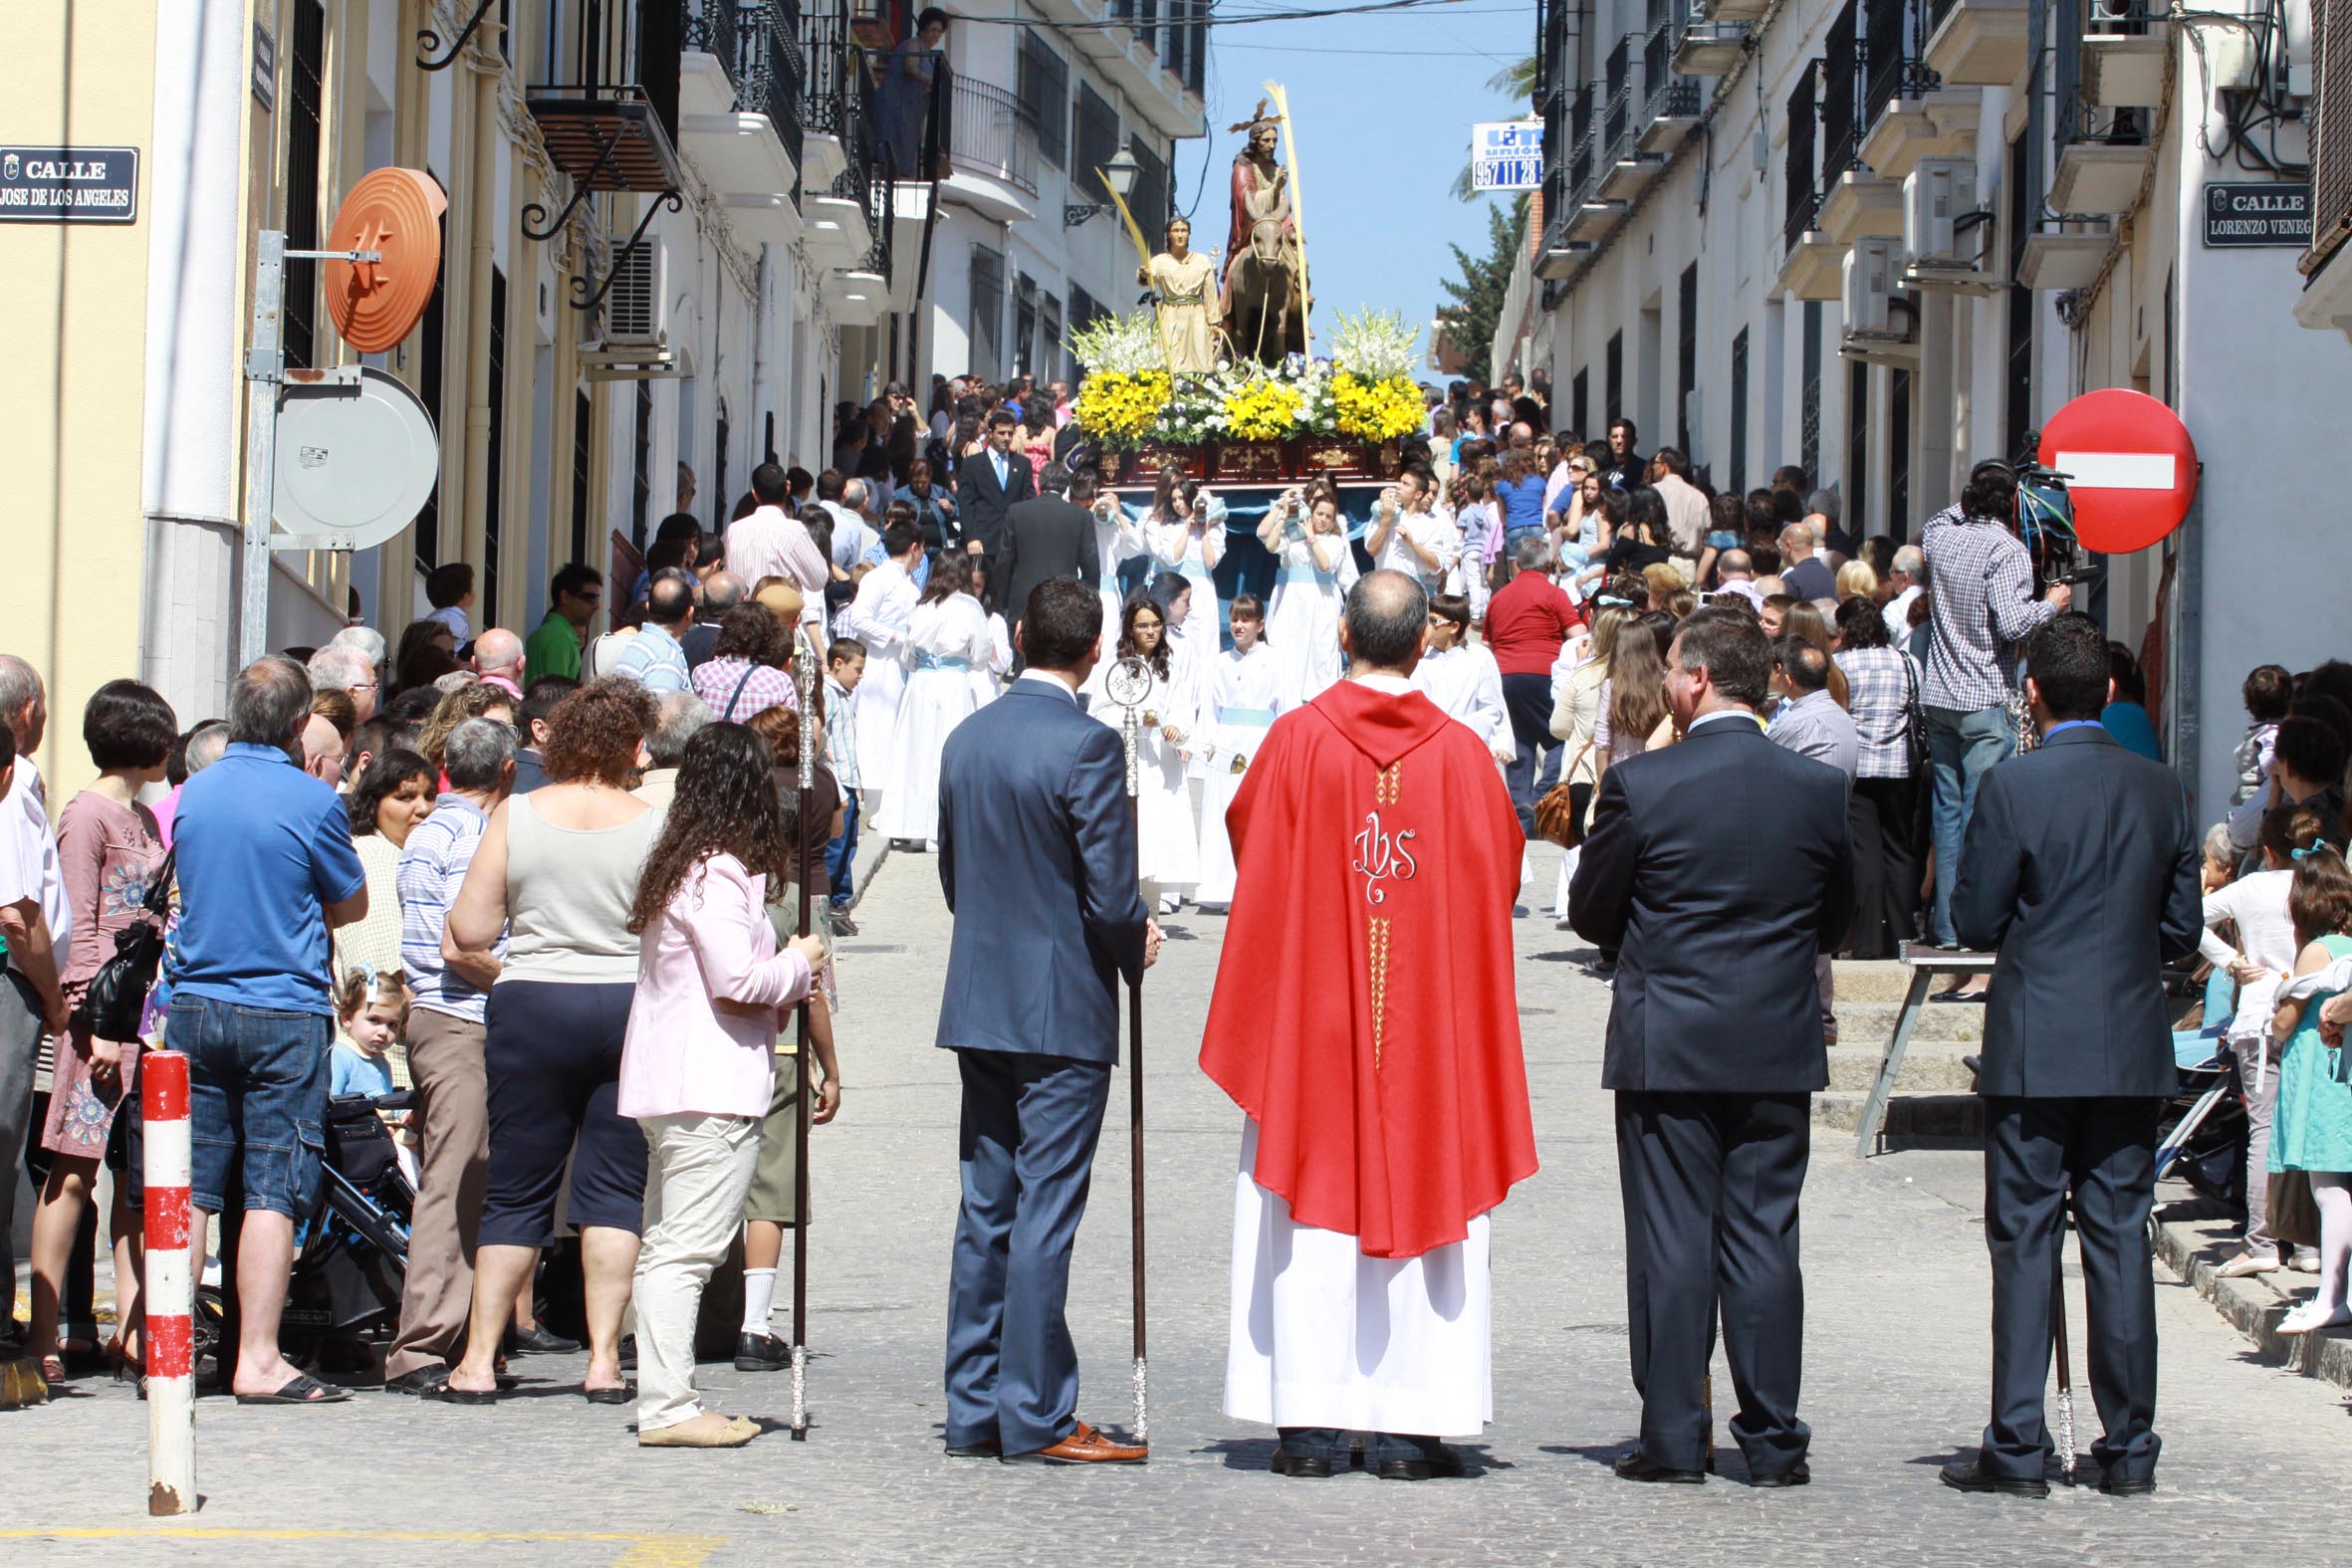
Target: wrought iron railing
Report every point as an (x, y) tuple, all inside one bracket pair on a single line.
[(2076, 118), (1841, 98), (1804, 193), (711, 28), (769, 77), (1894, 43), (991, 133), (1618, 115), (1581, 149)]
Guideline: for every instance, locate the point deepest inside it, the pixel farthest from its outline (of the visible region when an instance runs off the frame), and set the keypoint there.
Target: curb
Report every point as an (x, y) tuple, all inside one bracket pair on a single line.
[(2192, 1235)]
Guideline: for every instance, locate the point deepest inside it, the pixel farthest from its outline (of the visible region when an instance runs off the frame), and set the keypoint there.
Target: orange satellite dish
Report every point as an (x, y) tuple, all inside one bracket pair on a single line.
[(397, 214)]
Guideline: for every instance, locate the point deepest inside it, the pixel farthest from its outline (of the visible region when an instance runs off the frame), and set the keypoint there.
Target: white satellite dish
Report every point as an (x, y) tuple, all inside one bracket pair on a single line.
[(358, 458)]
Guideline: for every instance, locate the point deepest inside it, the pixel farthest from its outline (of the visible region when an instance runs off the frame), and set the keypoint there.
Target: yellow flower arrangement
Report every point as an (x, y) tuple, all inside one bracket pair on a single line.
[(1380, 410), (1123, 403), (1264, 410)]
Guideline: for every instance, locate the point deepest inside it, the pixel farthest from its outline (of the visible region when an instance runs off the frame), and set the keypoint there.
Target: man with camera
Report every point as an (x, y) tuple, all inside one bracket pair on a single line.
[(2081, 873), (1982, 613)]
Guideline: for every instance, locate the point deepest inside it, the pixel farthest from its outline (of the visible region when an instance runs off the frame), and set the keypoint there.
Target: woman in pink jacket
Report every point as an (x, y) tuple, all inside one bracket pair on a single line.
[(697, 1067)]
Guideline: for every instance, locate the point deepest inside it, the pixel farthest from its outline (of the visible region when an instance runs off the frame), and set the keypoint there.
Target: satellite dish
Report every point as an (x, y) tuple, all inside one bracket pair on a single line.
[(397, 214), (357, 459)]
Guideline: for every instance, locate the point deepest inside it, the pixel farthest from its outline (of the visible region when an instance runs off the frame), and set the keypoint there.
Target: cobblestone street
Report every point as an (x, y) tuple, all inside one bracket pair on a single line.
[(1897, 1354)]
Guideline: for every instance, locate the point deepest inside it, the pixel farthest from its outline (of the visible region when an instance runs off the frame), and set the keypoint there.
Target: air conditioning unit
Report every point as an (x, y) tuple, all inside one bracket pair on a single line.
[(636, 309), (1871, 268), (1937, 193)]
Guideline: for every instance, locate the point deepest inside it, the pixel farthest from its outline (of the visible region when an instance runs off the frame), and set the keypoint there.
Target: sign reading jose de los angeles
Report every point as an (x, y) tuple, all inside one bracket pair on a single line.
[(2256, 212), (69, 184)]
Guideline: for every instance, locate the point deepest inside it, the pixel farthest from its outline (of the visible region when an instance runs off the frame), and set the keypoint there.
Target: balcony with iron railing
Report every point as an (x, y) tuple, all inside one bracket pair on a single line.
[(2103, 149), (1908, 112), (1671, 101), (1617, 110), (1856, 201), (769, 77), (993, 137), (1803, 190)]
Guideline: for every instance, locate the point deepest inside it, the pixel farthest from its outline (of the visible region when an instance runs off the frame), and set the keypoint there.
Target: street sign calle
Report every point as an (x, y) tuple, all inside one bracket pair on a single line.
[(2256, 212), (2130, 465), (1507, 155), (69, 184)]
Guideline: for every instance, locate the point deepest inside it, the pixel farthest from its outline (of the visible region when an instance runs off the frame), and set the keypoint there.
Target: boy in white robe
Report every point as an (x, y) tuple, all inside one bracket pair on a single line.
[(1244, 693)]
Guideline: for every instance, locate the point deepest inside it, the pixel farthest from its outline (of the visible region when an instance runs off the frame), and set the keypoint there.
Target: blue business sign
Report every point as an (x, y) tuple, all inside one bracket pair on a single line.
[(1508, 156)]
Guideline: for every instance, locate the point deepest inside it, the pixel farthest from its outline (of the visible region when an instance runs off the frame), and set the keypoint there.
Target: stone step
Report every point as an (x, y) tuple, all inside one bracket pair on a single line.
[(1936, 1068), (1878, 979), (1872, 1023), (1958, 1116)]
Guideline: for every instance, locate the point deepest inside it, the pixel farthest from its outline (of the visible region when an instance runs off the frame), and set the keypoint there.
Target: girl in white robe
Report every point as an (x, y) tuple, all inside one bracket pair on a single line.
[(1184, 532), (1317, 569), (1168, 849), (948, 641), (989, 680), (1118, 538), (1243, 697)]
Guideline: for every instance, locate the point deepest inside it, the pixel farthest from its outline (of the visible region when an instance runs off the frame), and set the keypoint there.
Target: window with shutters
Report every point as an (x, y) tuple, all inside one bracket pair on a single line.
[(1613, 379), (486, 603), (1857, 448), (1685, 355), (1579, 403), (1053, 353), (1084, 308), (988, 311), (1024, 325), (1809, 397), (582, 446), (1898, 521), (1739, 412), (1094, 140), (305, 68), (1151, 200), (1042, 85), (2018, 412), (430, 352)]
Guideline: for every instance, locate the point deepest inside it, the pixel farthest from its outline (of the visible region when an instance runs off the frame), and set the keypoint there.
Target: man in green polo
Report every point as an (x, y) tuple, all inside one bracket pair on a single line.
[(573, 598)]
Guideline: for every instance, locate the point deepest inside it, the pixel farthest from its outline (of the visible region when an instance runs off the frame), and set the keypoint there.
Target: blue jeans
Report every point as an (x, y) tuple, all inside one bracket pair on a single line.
[(841, 855), (1536, 768), (257, 1101), (1962, 748)]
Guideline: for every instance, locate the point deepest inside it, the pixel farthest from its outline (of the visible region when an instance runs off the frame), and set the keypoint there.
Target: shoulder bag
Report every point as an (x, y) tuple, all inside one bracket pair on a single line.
[(116, 995), (1915, 720)]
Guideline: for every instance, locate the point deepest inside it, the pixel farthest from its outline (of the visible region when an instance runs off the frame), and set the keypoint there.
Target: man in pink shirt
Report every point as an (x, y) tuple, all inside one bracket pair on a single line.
[(771, 543), (498, 659)]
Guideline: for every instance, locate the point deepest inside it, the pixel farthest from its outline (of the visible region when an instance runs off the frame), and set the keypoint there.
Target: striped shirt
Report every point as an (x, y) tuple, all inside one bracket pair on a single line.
[(841, 733), (1982, 609), (1878, 680), (432, 868), (654, 659)]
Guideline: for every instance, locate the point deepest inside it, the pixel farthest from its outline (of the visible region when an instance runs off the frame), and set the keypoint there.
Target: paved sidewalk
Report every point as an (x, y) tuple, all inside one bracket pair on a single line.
[(1897, 1346)]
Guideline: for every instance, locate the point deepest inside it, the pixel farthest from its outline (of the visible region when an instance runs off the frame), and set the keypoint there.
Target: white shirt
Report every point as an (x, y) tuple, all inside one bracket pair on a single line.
[(767, 544), (1897, 614), (1251, 680), (877, 616), (1433, 531), (28, 856), (1467, 685), (852, 538)]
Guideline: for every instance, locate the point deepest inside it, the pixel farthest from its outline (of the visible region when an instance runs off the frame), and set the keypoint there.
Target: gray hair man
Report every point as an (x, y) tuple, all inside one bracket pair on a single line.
[(266, 871), (722, 591), (1906, 579), (367, 639), (445, 1040), (34, 916), (340, 667), (1810, 723), (677, 718)]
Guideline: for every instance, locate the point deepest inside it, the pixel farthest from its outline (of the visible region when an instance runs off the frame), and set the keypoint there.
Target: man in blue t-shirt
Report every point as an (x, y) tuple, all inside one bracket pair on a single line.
[(266, 870)]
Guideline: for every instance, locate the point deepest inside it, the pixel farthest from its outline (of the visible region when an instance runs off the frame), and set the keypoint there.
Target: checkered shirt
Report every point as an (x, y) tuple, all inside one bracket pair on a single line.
[(1980, 594), (1877, 681)]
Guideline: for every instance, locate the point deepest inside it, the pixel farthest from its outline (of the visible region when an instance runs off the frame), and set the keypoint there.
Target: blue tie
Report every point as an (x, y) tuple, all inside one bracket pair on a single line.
[(1004, 479)]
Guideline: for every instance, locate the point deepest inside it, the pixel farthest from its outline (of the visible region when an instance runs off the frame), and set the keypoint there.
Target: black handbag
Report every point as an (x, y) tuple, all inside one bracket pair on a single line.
[(117, 998), (1915, 720)]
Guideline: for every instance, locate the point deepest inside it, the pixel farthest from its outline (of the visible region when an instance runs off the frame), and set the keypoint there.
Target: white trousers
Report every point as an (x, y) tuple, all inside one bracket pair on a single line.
[(698, 1172)]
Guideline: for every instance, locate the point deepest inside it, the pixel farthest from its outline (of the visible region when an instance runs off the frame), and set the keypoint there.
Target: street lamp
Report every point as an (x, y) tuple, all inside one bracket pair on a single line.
[(1120, 175)]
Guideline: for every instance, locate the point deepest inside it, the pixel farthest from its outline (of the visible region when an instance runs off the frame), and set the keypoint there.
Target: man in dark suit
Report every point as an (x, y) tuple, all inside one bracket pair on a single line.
[(1036, 830), (2080, 868), (1049, 536), (989, 484), (1715, 1044)]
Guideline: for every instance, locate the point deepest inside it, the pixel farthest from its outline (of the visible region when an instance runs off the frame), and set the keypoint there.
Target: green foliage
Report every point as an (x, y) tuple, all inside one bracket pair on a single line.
[(1477, 296)]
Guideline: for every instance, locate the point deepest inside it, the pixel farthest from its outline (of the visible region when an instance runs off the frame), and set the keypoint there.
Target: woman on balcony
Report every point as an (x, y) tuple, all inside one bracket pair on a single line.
[(905, 93)]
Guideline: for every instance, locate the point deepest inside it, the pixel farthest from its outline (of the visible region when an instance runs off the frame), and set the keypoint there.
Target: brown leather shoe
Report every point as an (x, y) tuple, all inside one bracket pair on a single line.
[(1085, 1446)]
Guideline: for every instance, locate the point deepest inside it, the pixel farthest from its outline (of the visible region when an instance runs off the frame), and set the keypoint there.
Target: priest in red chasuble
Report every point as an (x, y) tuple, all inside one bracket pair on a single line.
[(1366, 1022)]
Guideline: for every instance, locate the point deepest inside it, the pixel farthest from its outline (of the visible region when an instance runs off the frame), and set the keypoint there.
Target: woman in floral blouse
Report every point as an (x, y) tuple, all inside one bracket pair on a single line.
[(108, 849)]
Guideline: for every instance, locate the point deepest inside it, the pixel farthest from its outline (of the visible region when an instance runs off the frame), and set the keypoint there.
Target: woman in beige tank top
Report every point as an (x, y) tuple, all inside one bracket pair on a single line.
[(556, 873)]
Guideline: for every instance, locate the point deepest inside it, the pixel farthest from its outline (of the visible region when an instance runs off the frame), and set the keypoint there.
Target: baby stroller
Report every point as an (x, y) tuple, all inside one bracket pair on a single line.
[(352, 1257)]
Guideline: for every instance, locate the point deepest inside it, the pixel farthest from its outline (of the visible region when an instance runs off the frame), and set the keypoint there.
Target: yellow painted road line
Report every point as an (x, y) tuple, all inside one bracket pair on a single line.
[(643, 1551)]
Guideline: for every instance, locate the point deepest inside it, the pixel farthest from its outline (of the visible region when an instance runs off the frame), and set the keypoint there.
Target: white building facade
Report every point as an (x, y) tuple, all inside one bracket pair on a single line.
[(1886, 239)]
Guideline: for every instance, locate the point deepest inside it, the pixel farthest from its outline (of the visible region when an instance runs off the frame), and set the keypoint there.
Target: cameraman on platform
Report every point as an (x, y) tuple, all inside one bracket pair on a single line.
[(1982, 608)]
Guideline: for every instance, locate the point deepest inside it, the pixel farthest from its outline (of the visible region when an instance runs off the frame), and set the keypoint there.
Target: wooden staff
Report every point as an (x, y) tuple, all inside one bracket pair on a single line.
[(806, 675)]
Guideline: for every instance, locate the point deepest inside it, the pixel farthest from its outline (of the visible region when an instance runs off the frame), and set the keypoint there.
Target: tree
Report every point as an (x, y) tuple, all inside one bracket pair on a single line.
[(1516, 82), (1476, 310)]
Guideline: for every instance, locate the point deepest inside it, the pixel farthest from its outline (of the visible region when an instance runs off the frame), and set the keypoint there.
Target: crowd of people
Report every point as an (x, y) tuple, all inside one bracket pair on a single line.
[(537, 890)]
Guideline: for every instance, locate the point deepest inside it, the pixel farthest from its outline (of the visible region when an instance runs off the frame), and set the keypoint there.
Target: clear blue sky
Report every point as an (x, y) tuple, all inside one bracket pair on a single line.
[(1383, 105)]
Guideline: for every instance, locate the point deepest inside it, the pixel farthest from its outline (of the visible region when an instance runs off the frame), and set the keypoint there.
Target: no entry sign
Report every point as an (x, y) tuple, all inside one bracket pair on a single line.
[(2131, 467)]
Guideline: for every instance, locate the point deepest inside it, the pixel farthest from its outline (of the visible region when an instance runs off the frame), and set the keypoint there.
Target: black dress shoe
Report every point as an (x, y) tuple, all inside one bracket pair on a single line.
[(1798, 1475), (537, 1341), (423, 1383), (1300, 1466), (1632, 1467), (1972, 1475), (985, 1449), (2128, 1488), (1404, 1457), (761, 1352)]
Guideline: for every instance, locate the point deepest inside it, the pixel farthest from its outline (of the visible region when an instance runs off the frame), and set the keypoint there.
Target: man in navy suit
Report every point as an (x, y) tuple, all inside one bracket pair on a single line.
[(2081, 870), (989, 484), (1036, 828), (1715, 1044)]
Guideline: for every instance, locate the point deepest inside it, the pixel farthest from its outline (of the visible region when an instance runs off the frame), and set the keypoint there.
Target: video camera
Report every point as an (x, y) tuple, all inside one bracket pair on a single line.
[(2045, 526)]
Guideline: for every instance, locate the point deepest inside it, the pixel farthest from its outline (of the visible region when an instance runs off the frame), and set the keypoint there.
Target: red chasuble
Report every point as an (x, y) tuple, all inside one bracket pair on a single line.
[(1365, 1013)]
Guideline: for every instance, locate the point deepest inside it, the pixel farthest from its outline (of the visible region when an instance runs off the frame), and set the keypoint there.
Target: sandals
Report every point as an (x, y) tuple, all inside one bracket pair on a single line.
[(301, 1389)]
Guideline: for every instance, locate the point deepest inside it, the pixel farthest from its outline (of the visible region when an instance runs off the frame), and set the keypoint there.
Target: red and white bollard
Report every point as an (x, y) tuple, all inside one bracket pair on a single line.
[(170, 1298)]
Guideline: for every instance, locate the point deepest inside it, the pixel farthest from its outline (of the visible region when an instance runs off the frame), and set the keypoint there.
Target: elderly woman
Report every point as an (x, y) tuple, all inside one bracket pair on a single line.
[(110, 849), (556, 871)]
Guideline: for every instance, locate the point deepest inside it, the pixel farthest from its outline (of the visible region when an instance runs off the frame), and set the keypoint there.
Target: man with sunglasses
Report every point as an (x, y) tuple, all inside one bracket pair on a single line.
[(573, 599)]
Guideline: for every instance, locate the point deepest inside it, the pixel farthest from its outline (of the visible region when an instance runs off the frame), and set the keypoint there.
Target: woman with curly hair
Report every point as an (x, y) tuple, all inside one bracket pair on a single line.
[(749, 667), (473, 700), (697, 1067), (557, 874), (395, 794)]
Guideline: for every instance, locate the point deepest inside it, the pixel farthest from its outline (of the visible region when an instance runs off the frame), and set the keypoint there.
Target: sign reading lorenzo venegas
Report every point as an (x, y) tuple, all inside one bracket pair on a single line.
[(1507, 155), (2257, 212), (69, 184)]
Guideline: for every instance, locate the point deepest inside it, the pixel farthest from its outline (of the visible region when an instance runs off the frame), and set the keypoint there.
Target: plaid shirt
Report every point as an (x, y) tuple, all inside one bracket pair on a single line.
[(1981, 596), (432, 868), (764, 687), (1877, 682), (841, 733)]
